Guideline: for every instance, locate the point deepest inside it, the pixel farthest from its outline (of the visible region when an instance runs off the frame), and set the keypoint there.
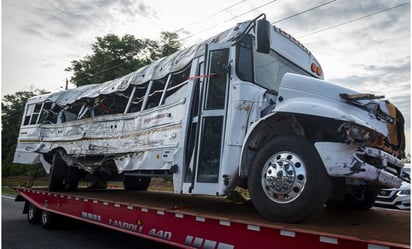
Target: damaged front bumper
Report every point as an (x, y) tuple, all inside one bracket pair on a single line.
[(343, 160)]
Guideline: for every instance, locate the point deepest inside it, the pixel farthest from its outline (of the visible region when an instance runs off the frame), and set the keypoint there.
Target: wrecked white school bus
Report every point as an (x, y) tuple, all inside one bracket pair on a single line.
[(247, 107)]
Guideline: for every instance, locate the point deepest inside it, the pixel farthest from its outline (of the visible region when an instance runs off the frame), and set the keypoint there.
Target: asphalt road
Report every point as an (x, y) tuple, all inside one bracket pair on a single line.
[(17, 233)]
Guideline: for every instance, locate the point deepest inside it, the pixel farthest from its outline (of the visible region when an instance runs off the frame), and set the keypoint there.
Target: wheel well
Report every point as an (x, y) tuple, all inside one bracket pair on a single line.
[(313, 128), (49, 156)]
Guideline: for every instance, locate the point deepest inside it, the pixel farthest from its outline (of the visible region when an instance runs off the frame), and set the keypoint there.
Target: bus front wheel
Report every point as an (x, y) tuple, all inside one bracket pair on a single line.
[(288, 181)]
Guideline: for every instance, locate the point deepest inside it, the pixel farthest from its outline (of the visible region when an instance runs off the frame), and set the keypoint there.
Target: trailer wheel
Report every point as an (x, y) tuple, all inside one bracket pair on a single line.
[(136, 182), (47, 220), (288, 181), (33, 214), (57, 173)]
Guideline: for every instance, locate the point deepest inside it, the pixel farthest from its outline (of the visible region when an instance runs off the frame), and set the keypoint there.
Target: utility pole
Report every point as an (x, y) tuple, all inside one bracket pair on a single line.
[(67, 84)]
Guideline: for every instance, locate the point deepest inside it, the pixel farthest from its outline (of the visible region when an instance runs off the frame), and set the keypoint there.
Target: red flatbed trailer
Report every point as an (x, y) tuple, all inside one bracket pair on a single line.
[(215, 223)]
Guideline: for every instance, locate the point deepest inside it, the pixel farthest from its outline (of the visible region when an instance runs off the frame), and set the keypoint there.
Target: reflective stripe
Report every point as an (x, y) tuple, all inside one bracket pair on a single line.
[(253, 228), (328, 240), (287, 233)]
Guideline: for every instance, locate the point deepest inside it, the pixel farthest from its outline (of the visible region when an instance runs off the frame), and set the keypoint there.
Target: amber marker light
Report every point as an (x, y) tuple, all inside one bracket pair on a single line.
[(316, 69)]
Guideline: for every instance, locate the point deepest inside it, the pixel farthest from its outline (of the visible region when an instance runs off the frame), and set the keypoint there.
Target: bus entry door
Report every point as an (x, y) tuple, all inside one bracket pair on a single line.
[(211, 122)]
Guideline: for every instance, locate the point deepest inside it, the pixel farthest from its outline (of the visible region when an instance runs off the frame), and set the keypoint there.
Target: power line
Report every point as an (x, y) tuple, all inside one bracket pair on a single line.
[(353, 20), (263, 5), (230, 19), (211, 15), (302, 12)]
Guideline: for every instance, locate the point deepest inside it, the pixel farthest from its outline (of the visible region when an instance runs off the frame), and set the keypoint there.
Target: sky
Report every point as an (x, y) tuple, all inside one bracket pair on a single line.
[(363, 45)]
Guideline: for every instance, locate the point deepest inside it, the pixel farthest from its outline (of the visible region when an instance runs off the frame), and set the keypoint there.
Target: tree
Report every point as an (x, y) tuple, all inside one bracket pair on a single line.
[(169, 43), (114, 57), (12, 107)]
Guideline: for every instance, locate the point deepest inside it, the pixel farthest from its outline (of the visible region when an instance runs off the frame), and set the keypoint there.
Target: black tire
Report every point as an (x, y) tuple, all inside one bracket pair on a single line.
[(136, 182), (57, 173), (72, 178), (356, 200), (287, 181), (33, 214), (48, 220)]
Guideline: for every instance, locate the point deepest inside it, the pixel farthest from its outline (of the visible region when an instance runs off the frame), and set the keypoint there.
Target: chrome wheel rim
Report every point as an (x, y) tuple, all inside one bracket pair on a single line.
[(284, 177), (31, 212), (44, 217)]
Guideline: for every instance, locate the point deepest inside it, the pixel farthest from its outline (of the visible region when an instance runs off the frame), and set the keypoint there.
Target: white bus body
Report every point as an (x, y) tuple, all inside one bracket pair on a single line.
[(219, 115)]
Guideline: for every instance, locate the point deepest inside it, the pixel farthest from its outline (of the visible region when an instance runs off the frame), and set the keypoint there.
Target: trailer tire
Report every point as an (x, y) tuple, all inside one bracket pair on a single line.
[(48, 220), (33, 214), (57, 173), (288, 181), (136, 182)]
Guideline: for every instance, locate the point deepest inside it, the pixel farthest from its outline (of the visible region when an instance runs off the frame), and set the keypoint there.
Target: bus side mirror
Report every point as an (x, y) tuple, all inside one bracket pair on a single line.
[(263, 36)]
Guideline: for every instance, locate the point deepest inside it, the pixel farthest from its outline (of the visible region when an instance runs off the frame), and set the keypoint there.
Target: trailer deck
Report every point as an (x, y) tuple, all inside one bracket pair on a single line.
[(214, 222)]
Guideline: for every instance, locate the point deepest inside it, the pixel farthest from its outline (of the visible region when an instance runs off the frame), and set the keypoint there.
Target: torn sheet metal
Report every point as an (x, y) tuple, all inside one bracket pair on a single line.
[(343, 160)]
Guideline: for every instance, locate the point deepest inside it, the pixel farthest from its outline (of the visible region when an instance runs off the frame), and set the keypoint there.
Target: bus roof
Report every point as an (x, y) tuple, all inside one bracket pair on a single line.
[(156, 70)]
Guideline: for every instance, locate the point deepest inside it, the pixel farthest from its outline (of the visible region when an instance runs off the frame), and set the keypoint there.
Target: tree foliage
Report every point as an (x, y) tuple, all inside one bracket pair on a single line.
[(12, 107), (115, 56)]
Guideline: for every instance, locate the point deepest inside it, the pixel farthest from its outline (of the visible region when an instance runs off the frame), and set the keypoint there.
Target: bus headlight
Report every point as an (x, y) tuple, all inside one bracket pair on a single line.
[(354, 134)]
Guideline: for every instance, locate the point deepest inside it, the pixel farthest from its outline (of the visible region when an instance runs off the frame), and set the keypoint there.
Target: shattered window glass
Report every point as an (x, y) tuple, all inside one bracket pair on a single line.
[(156, 92), (138, 97), (177, 86)]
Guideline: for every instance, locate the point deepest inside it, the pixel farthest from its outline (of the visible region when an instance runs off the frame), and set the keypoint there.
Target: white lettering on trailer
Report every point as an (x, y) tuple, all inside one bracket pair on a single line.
[(161, 234), (126, 226)]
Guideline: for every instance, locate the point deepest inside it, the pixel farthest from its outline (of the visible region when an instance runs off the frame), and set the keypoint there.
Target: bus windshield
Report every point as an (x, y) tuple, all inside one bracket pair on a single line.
[(265, 70)]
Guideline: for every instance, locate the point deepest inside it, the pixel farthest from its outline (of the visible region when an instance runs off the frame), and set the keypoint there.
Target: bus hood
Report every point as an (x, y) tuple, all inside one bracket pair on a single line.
[(305, 95)]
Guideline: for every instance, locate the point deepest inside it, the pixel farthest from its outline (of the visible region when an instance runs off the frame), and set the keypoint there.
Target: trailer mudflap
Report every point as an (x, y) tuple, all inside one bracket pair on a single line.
[(212, 222)]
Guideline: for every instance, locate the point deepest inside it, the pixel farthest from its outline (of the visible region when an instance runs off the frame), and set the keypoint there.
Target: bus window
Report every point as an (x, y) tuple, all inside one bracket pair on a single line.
[(156, 92), (137, 99), (32, 114), (216, 92), (266, 70), (113, 103), (177, 86), (27, 116), (209, 158), (47, 116), (244, 59)]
